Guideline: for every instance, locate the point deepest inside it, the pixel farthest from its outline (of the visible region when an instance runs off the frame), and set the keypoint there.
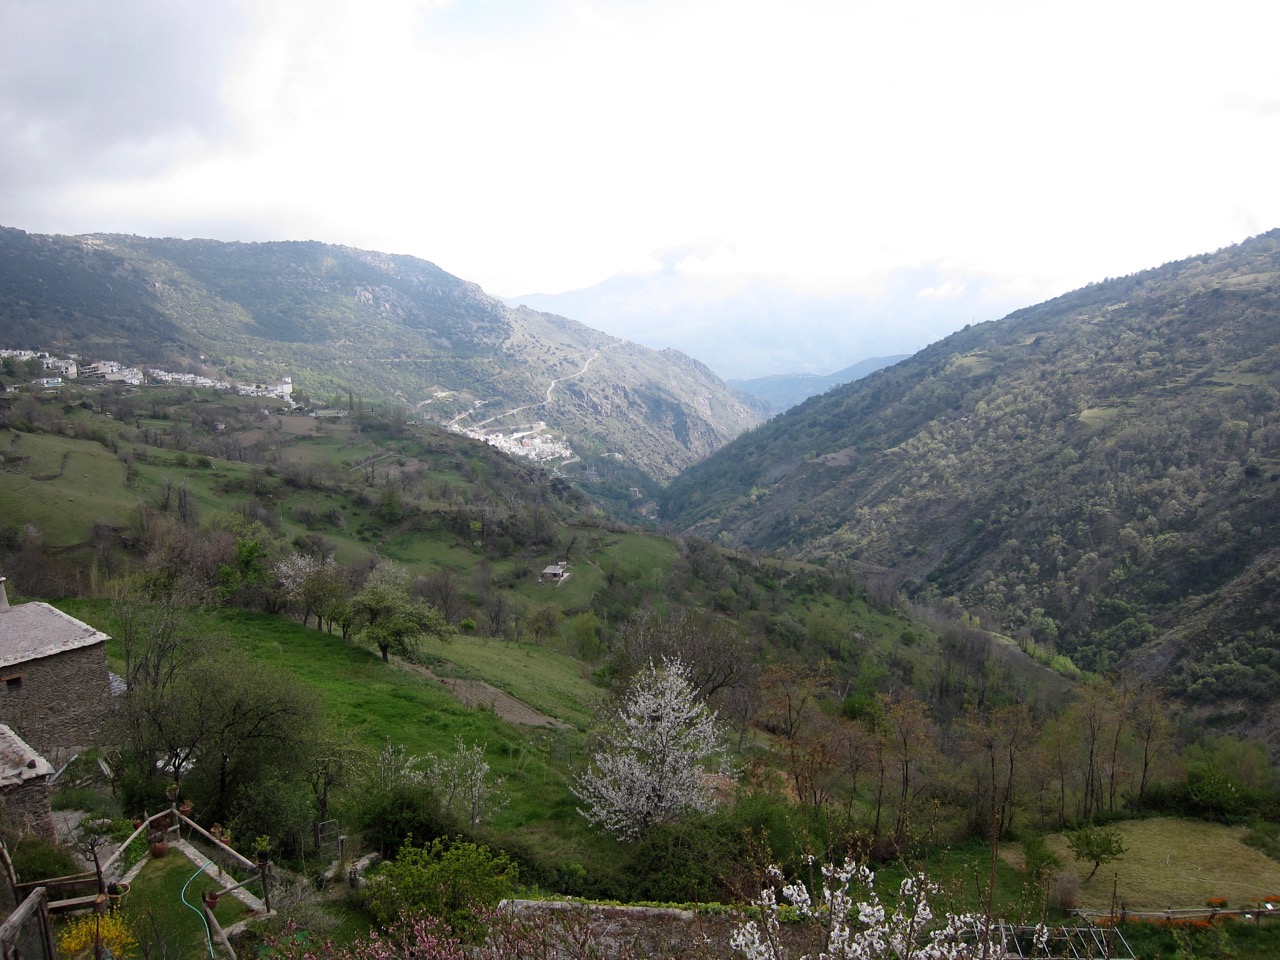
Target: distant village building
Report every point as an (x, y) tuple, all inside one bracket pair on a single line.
[(281, 390), (67, 368), (554, 573), (112, 372), (24, 786), (54, 683)]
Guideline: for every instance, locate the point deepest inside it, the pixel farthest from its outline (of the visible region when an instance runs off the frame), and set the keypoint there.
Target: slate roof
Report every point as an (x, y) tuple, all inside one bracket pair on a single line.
[(18, 762), (29, 631)]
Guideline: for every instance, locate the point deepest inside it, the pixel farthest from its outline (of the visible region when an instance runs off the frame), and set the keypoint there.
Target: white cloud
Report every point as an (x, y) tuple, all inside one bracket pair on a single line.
[(948, 290), (547, 145)]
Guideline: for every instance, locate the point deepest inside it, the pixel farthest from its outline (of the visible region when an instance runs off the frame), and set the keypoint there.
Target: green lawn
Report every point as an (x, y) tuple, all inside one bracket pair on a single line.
[(159, 916)]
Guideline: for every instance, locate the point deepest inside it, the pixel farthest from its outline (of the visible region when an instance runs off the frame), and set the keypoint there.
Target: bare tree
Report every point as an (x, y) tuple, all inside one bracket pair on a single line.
[(711, 648)]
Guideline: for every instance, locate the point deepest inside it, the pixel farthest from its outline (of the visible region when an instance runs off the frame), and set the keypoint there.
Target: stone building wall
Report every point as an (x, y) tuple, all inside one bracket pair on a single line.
[(59, 702), (25, 807)]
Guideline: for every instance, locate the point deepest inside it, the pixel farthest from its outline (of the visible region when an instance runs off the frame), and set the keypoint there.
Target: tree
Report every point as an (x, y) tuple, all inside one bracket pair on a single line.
[(814, 758), (544, 622), (462, 784), (788, 691), (389, 618), (230, 724), (653, 750), (443, 590), (1096, 845), (310, 583), (997, 741), (711, 648), (910, 738)]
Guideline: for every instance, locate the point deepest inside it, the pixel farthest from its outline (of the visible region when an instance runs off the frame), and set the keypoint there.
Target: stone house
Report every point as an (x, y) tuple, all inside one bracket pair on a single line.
[(24, 786), (55, 688)]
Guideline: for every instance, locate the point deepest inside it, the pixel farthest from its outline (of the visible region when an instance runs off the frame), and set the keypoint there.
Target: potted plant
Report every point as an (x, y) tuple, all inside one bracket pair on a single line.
[(117, 890), (210, 898), (262, 849), (186, 808), (171, 791), (157, 843)]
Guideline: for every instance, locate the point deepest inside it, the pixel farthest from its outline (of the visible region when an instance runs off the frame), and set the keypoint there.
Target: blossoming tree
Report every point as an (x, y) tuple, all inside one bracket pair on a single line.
[(651, 765)]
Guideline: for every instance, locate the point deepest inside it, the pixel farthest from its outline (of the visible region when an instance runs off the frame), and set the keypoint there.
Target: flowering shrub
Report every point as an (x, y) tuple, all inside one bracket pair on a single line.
[(110, 929), (860, 927)]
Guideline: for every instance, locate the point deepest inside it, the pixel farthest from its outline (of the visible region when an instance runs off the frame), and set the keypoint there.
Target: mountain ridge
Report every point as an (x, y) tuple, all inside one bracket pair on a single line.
[(386, 326), (1099, 474), (785, 390)]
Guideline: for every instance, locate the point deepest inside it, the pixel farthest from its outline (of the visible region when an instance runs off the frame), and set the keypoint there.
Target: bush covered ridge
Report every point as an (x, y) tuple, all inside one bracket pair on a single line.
[(1097, 476)]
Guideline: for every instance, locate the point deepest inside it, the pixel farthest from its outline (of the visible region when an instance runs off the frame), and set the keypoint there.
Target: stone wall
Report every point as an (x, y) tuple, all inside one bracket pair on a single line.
[(25, 807), (60, 702)]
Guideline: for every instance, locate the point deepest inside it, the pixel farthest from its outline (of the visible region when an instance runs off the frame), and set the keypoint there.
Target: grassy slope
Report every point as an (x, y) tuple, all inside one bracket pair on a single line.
[(550, 682), (65, 507), (1178, 864), (379, 703), (92, 490)]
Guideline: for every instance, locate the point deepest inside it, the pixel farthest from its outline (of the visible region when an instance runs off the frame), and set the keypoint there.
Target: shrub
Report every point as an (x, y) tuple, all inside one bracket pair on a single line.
[(447, 879), (35, 858), (1040, 861), (86, 931), (1064, 892)]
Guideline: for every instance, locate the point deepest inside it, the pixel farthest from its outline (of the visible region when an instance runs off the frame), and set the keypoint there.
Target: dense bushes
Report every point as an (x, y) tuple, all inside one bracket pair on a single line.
[(449, 879)]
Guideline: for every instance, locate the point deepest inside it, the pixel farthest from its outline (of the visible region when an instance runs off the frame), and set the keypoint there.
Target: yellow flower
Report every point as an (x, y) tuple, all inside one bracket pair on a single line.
[(110, 928)]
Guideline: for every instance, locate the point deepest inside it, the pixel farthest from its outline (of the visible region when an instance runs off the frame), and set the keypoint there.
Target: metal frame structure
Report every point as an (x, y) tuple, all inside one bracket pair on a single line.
[(1063, 943)]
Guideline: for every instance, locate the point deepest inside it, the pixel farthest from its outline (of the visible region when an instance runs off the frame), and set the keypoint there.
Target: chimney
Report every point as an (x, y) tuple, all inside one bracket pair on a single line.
[(4, 597)]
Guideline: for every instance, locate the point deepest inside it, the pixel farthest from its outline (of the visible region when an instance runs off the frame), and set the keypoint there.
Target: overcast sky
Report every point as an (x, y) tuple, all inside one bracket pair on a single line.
[(545, 145)]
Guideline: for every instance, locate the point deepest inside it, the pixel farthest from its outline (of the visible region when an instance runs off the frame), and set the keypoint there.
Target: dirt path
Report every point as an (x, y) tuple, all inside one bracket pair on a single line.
[(477, 693)]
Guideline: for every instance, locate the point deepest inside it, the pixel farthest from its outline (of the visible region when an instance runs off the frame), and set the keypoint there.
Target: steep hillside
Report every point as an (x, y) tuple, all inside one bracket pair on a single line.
[(1100, 473), (383, 327)]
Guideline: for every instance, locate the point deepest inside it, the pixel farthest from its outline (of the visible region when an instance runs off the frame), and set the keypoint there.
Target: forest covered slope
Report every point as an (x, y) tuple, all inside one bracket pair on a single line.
[(1099, 473), (342, 321)]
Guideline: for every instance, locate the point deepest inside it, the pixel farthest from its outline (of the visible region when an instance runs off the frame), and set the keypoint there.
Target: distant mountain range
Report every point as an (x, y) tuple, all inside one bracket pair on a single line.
[(386, 328), (1098, 475), (784, 390), (747, 327)]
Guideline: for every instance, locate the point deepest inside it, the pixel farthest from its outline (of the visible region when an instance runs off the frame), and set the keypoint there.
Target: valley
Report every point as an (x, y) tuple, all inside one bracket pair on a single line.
[(983, 613)]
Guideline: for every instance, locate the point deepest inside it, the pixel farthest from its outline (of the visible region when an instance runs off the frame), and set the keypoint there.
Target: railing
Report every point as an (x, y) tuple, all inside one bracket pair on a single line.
[(27, 934)]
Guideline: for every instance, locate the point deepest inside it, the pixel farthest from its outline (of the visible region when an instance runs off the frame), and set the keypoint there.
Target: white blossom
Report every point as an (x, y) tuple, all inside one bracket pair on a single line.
[(650, 767), (859, 927), (463, 785)]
